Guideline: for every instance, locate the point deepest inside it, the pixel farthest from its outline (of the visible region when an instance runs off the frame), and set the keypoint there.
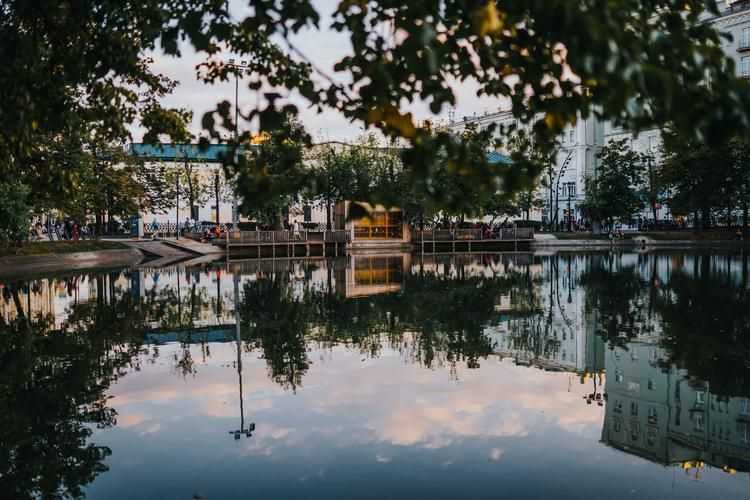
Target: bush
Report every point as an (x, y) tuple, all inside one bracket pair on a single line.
[(15, 214)]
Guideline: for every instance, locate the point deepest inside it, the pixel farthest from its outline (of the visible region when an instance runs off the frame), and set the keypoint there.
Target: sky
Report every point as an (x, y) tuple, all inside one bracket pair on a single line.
[(324, 47)]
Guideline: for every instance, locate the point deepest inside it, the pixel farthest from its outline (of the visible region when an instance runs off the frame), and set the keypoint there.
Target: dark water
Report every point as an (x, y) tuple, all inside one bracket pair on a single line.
[(594, 375)]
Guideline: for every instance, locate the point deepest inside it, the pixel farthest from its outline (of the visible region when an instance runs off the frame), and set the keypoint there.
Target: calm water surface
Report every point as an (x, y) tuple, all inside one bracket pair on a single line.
[(590, 375)]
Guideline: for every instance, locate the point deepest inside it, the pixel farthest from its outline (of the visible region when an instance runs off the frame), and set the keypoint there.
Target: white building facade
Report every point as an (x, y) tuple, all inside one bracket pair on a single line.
[(584, 140)]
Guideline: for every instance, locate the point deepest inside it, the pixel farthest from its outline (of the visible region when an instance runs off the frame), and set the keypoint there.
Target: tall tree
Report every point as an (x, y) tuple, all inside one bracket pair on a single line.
[(611, 195), (524, 150), (700, 175), (273, 177)]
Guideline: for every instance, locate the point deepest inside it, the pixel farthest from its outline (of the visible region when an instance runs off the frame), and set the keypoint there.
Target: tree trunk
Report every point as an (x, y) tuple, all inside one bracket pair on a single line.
[(328, 215), (653, 211), (279, 218), (705, 217), (744, 214), (98, 224)]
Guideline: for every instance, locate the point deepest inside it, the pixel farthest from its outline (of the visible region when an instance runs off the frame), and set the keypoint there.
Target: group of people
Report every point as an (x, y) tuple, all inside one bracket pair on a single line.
[(615, 235), (293, 227), (59, 229)]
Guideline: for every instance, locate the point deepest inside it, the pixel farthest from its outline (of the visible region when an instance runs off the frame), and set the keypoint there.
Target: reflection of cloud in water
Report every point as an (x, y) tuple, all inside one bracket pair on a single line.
[(379, 401)]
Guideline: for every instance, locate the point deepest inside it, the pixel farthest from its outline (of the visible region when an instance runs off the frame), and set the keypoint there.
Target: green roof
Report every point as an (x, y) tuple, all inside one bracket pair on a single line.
[(214, 153), (496, 158)]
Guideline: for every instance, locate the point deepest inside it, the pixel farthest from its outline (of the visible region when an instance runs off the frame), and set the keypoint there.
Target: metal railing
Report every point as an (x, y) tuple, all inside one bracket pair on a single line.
[(285, 237), (520, 233)]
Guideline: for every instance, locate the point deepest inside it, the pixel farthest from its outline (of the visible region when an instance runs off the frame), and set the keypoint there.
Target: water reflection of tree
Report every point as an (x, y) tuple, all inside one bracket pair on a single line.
[(707, 325), (52, 390), (277, 323), (701, 313), (437, 320), (617, 297), (180, 309)]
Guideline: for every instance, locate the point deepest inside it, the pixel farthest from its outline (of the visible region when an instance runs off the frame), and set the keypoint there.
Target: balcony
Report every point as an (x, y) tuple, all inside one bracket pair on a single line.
[(744, 46), (738, 7)]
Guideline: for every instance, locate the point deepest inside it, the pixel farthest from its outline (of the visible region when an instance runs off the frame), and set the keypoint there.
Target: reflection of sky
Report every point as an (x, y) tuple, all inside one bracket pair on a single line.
[(378, 428)]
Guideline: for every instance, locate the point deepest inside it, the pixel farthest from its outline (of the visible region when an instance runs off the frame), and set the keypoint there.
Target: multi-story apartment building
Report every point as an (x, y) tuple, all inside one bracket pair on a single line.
[(658, 412), (563, 188), (579, 144)]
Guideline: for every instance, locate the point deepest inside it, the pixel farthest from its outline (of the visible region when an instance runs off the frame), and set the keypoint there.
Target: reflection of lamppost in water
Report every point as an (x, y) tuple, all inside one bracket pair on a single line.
[(251, 427)]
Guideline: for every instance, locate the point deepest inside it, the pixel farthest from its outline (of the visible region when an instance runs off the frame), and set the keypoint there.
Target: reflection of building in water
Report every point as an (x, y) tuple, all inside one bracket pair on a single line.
[(55, 298), (372, 274), (547, 325), (35, 297), (666, 417)]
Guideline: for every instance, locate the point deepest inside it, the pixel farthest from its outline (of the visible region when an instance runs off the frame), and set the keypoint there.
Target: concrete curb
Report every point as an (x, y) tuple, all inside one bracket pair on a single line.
[(32, 264), (639, 242)]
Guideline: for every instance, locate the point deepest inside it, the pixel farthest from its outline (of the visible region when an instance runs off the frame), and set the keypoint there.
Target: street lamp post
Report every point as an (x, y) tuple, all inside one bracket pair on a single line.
[(240, 67), (570, 216), (216, 196)]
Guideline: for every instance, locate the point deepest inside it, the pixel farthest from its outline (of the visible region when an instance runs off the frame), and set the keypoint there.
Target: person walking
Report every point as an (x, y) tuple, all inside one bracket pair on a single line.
[(295, 229), (154, 229)]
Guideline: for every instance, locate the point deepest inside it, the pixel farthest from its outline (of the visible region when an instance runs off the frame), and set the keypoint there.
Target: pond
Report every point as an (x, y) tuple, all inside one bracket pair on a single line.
[(565, 375)]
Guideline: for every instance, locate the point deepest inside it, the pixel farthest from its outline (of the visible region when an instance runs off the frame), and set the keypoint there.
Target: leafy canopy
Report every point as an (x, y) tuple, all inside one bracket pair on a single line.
[(612, 195), (638, 62)]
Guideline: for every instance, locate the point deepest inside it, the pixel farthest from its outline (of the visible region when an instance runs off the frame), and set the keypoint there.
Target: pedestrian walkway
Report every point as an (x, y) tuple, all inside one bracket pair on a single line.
[(193, 246)]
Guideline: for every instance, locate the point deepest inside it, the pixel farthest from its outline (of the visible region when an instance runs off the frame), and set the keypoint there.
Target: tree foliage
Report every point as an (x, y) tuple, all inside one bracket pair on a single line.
[(637, 63), (611, 195), (14, 213), (705, 179)]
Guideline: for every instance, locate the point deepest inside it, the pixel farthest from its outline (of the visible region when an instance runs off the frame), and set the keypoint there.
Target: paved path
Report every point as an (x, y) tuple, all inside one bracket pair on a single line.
[(158, 248), (195, 246)]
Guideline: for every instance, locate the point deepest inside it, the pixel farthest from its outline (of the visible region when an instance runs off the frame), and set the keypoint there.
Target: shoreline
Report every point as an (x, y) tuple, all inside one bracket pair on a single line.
[(25, 265), (637, 243)]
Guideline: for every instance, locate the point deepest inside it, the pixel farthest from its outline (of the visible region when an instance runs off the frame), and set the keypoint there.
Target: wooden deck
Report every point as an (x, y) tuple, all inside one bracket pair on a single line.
[(285, 243), (325, 243)]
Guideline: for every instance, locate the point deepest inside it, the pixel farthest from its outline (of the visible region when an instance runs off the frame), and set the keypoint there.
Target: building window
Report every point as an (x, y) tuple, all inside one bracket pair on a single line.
[(635, 431), (651, 435), (698, 421), (618, 375), (699, 397), (653, 355), (617, 424), (745, 66), (651, 384), (634, 409), (308, 213), (380, 225), (743, 428), (653, 418), (572, 135), (378, 270), (634, 354), (618, 406), (745, 40), (745, 406)]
